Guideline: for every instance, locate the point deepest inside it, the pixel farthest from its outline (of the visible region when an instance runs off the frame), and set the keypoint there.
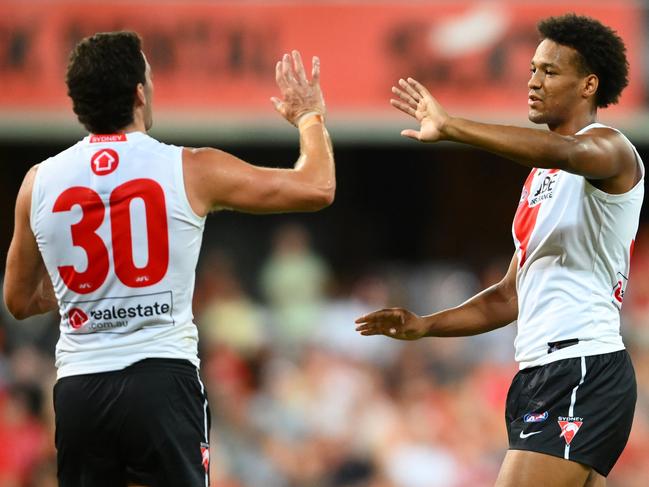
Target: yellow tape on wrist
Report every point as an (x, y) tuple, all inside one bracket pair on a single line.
[(309, 119)]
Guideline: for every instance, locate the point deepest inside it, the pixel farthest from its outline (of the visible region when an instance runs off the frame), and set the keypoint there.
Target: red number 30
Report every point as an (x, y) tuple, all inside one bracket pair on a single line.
[(84, 235)]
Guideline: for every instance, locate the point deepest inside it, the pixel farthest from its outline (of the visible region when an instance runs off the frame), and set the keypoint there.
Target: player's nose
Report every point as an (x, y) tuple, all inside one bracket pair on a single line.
[(534, 82)]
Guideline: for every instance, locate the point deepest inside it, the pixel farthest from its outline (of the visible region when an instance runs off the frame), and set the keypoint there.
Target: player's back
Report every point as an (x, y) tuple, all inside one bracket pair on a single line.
[(120, 243)]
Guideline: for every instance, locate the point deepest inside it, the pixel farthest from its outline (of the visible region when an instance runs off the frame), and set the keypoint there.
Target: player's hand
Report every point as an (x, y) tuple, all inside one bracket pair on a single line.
[(416, 101), (393, 322), (299, 95)]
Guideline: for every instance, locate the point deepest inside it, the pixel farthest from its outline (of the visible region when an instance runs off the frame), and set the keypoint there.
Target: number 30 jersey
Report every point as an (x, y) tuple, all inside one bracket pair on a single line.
[(120, 242)]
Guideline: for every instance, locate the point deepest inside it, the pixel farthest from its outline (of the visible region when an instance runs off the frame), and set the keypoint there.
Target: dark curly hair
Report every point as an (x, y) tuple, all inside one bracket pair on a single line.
[(601, 51), (102, 77)]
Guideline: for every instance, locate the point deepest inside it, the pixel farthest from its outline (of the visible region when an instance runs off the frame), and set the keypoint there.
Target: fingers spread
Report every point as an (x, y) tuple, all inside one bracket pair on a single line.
[(279, 76), (315, 70), (404, 96), (418, 87), (298, 66), (287, 69), (411, 91), (298, 95), (404, 107)]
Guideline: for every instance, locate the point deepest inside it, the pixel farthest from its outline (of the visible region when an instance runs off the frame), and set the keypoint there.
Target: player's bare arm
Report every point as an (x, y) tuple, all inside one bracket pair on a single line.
[(27, 287), (601, 155), (493, 308), (216, 179)]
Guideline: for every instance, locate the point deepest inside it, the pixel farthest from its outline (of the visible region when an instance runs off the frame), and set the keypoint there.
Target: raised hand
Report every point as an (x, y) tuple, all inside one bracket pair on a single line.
[(416, 101), (393, 322), (299, 95)]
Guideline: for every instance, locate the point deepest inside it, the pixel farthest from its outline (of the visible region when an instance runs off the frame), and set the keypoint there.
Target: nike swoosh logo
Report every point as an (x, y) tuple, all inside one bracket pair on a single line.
[(525, 435)]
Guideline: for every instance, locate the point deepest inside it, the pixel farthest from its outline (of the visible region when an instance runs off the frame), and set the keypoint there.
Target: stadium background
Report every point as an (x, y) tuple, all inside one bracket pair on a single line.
[(298, 399)]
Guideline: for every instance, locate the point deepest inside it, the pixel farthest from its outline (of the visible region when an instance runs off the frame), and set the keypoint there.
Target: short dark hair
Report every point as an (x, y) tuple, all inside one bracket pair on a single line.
[(102, 77), (601, 50)]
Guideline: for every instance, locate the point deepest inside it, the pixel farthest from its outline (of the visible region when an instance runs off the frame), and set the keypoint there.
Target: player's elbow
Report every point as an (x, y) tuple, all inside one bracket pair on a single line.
[(327, 195), (16, 305), (17, 298), (320, 197)]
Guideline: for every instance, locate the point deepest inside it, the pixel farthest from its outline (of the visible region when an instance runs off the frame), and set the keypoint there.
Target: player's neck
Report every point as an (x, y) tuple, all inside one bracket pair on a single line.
[(137, 125), (574, 124)]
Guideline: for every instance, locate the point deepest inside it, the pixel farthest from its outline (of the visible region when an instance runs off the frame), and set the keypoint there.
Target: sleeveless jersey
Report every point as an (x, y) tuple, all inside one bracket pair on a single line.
[(573, 243), (120, 242)]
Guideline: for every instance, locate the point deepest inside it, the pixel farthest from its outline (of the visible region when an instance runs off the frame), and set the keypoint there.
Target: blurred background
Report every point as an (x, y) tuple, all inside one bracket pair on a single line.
[(297, 398)]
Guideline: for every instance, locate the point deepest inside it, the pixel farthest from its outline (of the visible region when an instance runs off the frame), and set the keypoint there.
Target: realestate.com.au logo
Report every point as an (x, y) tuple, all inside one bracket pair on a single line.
[(77, 318), (101, 315)]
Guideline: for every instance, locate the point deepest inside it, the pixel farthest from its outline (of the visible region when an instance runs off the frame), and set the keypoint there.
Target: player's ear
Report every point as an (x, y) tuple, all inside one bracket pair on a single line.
[(591, 82), (140, 95)]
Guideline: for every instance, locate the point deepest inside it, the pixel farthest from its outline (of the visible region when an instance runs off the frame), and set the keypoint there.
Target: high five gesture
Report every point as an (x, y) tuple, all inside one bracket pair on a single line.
[(416, 101), (299, 95)]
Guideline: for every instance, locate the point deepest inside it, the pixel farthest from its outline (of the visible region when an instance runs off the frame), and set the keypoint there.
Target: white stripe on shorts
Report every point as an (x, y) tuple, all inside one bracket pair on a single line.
[(206, 433), (573, 400)]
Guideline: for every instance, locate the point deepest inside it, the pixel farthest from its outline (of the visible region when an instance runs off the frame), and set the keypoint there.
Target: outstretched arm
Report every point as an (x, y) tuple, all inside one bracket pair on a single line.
[(215, 179), (27, 287), (493, 308), (599, 154)]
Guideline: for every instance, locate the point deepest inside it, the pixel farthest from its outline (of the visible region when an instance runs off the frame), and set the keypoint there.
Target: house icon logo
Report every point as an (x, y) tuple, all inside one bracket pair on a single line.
[(77, 318), (104, 161)]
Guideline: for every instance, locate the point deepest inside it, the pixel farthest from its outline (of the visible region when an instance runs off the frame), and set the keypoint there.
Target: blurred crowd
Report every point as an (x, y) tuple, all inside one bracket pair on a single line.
[(299, 399)]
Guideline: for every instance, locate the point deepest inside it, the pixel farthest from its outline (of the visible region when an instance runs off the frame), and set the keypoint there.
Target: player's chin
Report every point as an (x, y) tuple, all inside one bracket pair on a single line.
[(535, 116)]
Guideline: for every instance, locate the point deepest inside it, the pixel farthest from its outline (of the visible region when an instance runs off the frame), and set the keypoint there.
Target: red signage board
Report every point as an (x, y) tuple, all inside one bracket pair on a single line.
[(211, 56)]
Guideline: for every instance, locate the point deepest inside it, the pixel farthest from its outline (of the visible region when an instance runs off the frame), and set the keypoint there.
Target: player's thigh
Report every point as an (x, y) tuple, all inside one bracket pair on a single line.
[(595, 480), (87, 453), (166, 444), (531, 469), (579, 409)]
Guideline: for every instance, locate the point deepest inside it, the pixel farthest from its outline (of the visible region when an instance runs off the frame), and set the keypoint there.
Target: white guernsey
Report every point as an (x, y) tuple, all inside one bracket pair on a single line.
[(116, 206), (573, 243)]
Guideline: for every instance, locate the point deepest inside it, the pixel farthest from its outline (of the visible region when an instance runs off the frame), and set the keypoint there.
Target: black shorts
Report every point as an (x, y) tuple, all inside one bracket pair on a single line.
[(147, 424), (580, 409)]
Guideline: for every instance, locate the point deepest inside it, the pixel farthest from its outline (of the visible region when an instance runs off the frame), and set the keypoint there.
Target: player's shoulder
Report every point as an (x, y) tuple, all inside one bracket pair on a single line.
[(64, 155), (605, 131), (610, 138), (28, 180), (205, 155), (145, 143)]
